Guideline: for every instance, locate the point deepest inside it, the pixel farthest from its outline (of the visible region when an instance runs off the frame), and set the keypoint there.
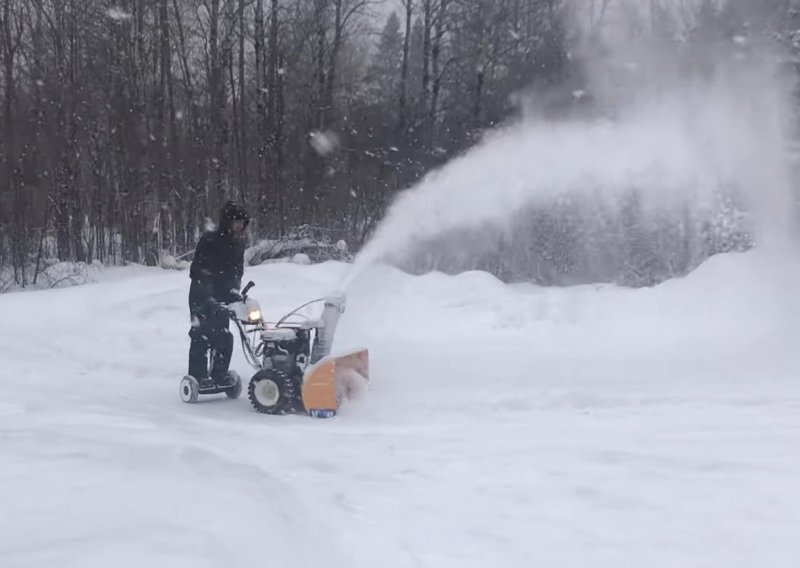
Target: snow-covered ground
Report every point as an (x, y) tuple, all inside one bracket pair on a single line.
[(506, 426)]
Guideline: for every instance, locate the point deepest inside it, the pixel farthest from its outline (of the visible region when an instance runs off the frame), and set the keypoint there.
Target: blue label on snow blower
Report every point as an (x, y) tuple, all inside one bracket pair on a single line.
[(322, 413)]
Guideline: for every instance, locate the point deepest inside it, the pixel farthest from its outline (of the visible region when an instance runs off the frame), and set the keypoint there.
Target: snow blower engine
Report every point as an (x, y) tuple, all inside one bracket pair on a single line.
[(295, 371)]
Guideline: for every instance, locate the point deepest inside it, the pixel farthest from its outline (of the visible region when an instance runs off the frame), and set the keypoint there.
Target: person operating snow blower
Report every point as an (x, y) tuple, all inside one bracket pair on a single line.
[(216, 278)]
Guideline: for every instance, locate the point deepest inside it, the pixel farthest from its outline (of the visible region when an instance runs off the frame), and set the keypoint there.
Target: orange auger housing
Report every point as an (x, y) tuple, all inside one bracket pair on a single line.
[(334, 379)]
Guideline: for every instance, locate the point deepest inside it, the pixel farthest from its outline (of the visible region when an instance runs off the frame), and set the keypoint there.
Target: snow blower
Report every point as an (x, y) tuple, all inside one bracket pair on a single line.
[(295, 371)]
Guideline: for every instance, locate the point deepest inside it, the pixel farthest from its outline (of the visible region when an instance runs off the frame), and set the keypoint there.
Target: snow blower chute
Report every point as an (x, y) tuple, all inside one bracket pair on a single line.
[(330, 379), (295, 371)]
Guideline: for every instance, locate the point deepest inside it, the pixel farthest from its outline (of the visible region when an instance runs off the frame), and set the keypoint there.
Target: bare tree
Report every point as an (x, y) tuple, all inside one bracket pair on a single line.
[(126, 124), (409, 12)]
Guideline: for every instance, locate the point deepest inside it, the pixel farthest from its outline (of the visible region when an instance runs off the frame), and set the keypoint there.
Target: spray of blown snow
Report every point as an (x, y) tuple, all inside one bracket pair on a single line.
[(676, 139)]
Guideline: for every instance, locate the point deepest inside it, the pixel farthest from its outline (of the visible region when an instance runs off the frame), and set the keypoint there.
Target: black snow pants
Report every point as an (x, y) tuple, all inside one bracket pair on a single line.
[(212, 333)]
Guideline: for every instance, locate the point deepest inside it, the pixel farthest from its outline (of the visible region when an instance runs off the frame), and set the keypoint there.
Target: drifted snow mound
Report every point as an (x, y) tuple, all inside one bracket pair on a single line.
[(301, 258), (731, 296)]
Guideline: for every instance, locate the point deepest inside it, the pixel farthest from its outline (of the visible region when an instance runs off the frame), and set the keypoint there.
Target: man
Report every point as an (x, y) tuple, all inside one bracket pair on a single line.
[(216, 274)]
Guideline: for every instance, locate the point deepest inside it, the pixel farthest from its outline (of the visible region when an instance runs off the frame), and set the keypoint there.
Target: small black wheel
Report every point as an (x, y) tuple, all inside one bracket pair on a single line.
[(271, 391), (189, 389), (236, 390)]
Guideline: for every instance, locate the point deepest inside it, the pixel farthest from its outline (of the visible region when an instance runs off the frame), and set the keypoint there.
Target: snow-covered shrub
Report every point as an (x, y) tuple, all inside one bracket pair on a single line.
[(169, 262), (314, 243)]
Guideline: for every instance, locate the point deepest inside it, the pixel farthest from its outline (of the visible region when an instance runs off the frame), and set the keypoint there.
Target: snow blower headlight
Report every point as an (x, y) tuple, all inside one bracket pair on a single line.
[(254, 315)]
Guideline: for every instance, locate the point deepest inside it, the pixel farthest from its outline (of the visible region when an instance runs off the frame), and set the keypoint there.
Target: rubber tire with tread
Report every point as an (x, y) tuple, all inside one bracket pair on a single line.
[(286, 390), (189, 389), (236, 390)]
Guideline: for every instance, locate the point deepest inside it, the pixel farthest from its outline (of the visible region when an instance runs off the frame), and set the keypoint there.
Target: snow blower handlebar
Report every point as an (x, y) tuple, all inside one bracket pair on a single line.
[(297, 309), (246, 289)]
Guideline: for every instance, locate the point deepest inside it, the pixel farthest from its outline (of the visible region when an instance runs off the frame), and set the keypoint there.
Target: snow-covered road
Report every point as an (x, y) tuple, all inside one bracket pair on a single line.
[(506, 426)]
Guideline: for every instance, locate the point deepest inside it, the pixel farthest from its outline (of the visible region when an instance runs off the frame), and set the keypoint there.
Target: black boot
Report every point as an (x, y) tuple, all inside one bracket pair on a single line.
[(221, 358), (198, 358)]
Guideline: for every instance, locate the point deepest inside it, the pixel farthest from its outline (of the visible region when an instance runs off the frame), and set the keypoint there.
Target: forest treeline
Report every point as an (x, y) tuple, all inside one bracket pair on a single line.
[(126, 123)]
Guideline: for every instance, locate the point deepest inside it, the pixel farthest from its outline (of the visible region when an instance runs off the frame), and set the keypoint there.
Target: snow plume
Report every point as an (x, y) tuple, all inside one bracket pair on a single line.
[(667, 135)]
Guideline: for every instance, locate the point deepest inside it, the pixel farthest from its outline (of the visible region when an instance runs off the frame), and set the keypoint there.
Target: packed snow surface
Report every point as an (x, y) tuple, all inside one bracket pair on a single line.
[(506, 425)]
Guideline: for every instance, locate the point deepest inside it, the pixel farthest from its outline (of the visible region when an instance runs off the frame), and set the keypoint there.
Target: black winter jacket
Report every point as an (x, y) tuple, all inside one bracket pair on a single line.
[(217, 269), (218, 264)]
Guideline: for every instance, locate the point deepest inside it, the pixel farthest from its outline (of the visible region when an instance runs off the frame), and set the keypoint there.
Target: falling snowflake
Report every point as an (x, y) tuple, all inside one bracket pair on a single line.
[(116, 13), (324, 142)]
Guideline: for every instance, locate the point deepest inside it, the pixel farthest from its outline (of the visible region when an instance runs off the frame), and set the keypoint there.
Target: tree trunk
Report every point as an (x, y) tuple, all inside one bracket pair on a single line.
[(9, 95), (164, 157), (273, 135), (480, 67), (333, 59), (320, 54), (216, 89), (272, 70), (279, 158), (437, 74), (261, 113), (229, 135), (236, 126), (12, 188), (427, 11), (243, 178), (314, 162), (403, 120)]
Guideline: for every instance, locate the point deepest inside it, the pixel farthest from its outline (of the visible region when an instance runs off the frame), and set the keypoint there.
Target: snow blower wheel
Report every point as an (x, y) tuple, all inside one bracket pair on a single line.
[(271, 391), (190, 389)]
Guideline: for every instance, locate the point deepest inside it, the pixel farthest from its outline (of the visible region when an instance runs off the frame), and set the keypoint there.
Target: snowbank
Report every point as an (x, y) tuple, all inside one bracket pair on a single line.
[(58, 274), (737, 296), (506, 426)]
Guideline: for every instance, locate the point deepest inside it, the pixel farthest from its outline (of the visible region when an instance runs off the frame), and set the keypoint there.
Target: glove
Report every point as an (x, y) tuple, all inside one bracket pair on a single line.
[(235, 296), (214, 309)]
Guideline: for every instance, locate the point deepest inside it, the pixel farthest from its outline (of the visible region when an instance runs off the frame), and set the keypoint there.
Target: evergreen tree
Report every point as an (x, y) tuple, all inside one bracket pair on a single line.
[(384, 73)]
